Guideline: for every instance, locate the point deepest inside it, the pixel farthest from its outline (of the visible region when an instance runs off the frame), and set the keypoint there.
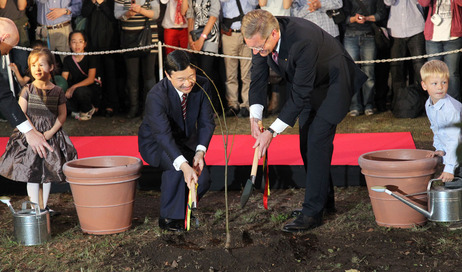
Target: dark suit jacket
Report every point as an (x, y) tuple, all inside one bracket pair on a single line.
[(320, 73), (163, 127), (9, 105)]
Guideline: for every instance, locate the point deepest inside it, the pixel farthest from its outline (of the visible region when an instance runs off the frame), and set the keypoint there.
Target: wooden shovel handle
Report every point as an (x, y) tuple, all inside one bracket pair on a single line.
[(255, 162), (253, 172)]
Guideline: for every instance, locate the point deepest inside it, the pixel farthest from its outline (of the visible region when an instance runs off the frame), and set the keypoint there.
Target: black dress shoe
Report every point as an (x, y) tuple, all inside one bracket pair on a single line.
[(171, 224), (244, 112), (231, 112), (303, 223), (328, 210)]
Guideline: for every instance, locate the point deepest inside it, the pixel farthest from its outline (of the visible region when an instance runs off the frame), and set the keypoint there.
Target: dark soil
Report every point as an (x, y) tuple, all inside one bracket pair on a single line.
[(349, 239)]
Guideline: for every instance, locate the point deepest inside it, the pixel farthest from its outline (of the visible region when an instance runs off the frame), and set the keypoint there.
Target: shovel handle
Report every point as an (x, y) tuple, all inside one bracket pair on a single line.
[(253, 172)]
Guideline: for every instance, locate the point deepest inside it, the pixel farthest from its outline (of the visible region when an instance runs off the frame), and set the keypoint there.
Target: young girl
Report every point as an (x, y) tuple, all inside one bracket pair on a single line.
[(45, 106), (80, 72)]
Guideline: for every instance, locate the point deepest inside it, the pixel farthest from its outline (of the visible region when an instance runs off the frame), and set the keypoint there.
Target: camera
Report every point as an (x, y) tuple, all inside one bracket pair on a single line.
[(436, 19)]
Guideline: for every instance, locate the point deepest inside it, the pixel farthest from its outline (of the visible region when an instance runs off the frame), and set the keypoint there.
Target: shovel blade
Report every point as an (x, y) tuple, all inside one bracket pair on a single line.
[(246, 192)]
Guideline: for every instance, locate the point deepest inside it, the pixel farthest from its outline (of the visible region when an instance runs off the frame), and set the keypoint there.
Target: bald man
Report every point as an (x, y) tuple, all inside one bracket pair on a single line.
[(9, 107)]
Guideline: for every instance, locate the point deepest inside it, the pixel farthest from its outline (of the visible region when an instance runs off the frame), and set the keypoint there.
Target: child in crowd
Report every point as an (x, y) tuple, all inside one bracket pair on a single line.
[(45, 106), (80, 72), (444, 112), (23, 80)]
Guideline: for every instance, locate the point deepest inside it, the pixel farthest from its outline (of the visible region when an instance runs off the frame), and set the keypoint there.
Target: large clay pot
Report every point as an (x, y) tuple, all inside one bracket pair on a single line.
[(403, 171), (103, 189)]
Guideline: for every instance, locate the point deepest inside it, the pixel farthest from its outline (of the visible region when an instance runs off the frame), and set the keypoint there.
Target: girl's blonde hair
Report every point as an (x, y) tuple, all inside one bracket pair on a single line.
[(39, 52), (434, 67)]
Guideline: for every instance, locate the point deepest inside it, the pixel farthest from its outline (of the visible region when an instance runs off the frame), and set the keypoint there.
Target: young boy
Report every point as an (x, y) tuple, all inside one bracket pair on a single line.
[(444, 112)]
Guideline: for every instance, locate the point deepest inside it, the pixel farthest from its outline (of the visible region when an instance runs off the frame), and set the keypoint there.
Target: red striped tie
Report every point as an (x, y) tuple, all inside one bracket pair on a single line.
[(275, 57), (184, 98)]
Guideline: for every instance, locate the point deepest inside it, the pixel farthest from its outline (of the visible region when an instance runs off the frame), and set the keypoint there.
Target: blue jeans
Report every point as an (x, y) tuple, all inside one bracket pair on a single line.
[(451, 60), (362, 47)]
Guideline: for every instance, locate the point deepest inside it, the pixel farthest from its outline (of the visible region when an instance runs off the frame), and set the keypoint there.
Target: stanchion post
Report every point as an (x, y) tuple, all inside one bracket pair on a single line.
[(161, 61), (10, 75)]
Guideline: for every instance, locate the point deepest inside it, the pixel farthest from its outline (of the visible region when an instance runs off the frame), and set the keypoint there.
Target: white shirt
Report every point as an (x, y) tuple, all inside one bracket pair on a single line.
[(181, 159), (256, 110)]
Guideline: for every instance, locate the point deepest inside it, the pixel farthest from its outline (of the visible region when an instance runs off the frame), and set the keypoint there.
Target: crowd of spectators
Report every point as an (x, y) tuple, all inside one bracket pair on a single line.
[(415, 27)]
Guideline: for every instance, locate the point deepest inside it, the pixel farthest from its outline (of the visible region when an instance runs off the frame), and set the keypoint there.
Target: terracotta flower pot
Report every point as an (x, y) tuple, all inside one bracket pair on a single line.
[(103, 189), (403, 171)]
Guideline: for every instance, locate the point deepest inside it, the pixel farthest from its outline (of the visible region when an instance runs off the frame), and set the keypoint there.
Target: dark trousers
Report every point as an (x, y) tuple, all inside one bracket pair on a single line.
[(137, 67), (174, 191), (207, 64), (316, 147), (108, 73), (83, 98), (416, 47)]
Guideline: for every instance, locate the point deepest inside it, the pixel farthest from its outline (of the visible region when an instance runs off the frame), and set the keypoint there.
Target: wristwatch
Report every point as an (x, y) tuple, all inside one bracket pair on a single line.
[(274, 133)]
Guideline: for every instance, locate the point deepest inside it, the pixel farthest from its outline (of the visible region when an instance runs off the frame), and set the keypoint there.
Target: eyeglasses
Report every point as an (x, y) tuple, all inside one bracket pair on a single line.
[(260, 48)]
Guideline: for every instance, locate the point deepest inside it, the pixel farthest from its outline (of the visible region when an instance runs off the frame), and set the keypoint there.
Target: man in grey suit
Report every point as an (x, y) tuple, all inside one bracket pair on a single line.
[(321, 79), (9, 106)]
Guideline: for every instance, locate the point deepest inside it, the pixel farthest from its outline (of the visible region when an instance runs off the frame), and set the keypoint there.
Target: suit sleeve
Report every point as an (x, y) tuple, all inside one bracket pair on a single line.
[(301, 88), (205, 123), (157, 106), (9, 107), (259, 80)]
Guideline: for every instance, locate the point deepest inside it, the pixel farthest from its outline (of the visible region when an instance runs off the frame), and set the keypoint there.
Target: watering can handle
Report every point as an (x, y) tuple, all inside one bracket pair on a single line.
[(430, 183), (37, 209)]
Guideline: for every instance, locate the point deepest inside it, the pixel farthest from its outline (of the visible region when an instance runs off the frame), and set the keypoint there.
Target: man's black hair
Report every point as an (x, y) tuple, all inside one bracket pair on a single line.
[(177, 60)]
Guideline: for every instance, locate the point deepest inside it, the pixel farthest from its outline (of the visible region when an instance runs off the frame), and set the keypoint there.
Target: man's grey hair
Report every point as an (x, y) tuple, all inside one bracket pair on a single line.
[(258, 22)]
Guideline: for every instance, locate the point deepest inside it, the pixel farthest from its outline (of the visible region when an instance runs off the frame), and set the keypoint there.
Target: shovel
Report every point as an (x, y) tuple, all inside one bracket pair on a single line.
[(251, 181)]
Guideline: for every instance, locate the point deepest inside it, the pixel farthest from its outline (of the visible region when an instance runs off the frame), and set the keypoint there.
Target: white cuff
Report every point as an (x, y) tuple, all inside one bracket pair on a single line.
[(178, 162), (201, 148), (278, 126), (256, 111), (25, 127)]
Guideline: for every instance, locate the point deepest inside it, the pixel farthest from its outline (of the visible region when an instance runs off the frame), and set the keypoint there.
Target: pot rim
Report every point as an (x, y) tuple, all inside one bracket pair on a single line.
[(427, 160), (126, 169)]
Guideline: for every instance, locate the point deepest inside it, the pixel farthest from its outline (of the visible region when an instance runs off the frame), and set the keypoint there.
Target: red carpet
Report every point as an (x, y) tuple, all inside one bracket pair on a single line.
[(283, 151)]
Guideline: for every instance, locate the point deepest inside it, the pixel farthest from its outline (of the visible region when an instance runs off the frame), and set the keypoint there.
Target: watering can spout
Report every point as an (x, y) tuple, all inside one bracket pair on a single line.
[(382, 189)]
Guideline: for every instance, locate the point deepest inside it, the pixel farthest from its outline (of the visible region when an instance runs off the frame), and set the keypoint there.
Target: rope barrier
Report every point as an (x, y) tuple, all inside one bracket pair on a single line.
[(120, 51)]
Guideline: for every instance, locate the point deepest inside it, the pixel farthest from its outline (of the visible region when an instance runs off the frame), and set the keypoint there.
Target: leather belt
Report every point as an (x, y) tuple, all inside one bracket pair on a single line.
[(61, 25)]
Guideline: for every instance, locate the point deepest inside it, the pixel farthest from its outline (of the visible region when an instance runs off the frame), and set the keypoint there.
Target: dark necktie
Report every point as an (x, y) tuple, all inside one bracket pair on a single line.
[(184, 98), (275, 56)]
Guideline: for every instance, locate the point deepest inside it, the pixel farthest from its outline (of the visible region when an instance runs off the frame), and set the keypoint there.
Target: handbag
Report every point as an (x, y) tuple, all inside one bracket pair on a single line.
[(382, 41), (225, 25), (196, 34), (136, 38), (338, 15)]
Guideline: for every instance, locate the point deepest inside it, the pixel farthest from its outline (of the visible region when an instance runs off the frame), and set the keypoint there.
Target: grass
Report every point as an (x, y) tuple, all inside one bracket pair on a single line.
[(72, 250)]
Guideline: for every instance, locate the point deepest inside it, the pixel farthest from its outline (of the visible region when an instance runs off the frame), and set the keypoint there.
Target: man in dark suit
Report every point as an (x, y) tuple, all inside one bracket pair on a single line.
[(170, 137), (9, 106), (321, 79)]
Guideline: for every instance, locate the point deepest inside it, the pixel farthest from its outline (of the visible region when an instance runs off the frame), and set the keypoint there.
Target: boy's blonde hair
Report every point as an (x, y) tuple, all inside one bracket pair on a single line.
[(434, 67)]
